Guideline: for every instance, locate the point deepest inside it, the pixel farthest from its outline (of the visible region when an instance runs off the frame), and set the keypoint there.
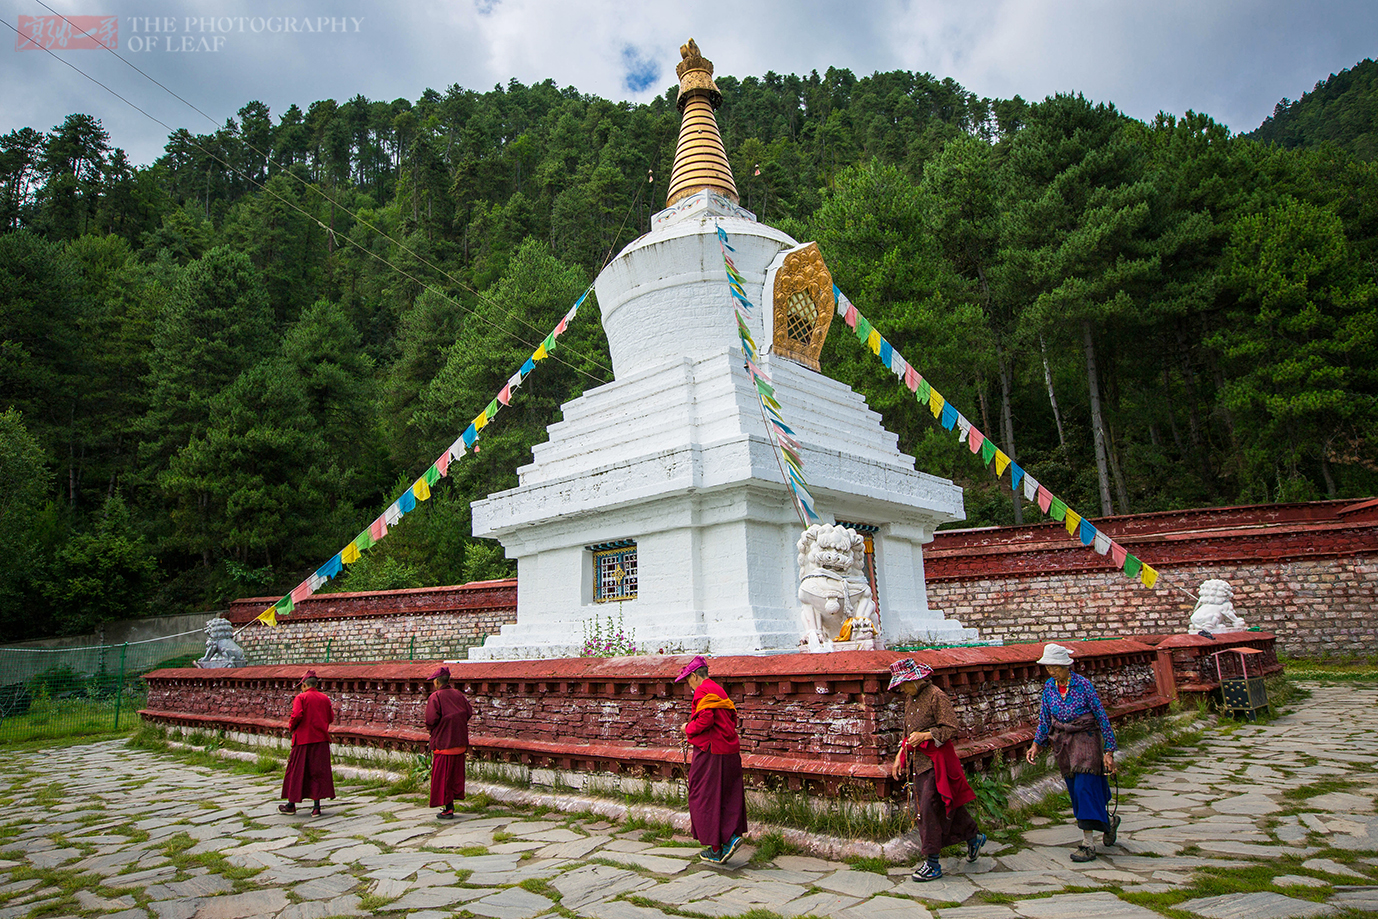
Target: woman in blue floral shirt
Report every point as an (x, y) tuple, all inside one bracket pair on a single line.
[(1083, 743)]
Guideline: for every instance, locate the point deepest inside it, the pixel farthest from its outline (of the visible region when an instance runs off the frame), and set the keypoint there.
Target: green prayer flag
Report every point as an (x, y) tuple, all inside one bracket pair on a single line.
[(924, 392), (764, 388), (364, 540), (1057, 510), (1132, 566), (285, 605), (987, 451), (492, 409), (549, 342), (431, 475), (863, 328)]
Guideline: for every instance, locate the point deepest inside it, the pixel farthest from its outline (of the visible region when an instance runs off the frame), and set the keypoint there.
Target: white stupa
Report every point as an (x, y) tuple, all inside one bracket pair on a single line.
[(659, 500)]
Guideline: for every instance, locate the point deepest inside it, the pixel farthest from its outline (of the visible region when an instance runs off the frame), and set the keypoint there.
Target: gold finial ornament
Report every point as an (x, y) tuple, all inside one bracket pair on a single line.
[(700, 160)]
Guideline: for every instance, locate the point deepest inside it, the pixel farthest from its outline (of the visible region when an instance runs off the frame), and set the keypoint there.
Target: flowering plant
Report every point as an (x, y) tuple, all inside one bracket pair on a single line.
[(607, 639)]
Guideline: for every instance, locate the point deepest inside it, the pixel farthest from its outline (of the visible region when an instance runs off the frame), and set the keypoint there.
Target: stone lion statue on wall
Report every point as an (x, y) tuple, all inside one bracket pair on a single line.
[(832, 587), (221, 648), (1214, 610)]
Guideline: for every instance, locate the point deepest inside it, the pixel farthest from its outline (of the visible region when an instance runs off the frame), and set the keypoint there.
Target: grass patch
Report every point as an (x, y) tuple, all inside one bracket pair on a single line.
[(175, 849), (1317, 788), (874, 864), (541, 886), (769, 847), (49, 794), (471, 851)]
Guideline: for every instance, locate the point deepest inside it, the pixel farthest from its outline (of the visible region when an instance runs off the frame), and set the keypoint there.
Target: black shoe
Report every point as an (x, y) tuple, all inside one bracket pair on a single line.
[(1084, 854), (927, 871), (447, 814), (1113, 833), (287, 808), (974, 845), (316, 811)]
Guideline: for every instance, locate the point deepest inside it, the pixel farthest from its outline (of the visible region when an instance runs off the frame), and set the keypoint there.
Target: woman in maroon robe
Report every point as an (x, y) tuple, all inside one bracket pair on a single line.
[(447, 718), (308, 767), (717, 797)]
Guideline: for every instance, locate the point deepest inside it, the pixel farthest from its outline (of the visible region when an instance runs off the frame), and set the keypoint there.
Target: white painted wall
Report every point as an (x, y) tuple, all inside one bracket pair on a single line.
[(674, 454)]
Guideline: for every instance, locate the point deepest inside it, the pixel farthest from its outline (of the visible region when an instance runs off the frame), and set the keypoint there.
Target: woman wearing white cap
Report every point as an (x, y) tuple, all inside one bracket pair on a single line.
[(1083, 743)]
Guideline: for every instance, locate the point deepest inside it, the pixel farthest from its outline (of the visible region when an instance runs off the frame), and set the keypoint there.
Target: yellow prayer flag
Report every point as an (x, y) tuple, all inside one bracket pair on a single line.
[(421, 490), (349, 554), (541, 353), (1002, 463), (873, 341), (936, 402), (481, 421), (1148, 576), (268, 617), (1072, 522)]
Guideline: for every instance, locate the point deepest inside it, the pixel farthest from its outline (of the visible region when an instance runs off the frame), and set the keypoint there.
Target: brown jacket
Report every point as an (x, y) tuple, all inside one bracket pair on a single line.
[(930, 710)]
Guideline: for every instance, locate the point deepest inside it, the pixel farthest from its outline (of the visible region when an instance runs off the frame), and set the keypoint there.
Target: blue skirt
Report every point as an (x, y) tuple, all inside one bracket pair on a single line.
[(1090, 800)]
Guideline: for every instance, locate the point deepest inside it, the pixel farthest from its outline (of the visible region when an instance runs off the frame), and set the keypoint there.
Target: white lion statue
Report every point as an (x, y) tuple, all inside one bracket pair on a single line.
[(1214, 610), (832, 587)]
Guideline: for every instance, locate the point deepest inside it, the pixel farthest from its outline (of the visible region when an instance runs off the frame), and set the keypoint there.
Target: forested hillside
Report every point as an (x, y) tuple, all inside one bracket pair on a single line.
[(217, 369), (1340, 110)]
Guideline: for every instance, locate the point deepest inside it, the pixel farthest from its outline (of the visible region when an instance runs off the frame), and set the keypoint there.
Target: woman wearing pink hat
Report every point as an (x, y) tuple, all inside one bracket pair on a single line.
[(447, 718), (717, 795), (941, 790), (1072, 715)]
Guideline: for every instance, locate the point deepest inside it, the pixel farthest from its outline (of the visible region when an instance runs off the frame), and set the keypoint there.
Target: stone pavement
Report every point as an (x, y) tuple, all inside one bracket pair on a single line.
[(103, 830)]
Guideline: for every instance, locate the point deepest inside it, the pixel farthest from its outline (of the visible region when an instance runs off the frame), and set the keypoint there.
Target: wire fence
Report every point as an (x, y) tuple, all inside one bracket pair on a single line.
[(51, 693)]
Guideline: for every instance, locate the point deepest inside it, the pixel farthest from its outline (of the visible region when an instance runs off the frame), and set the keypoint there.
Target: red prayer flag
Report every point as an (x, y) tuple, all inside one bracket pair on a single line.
[(443, 463), (1118, 553), (505, 397), (850, 316), (1045, 499), (301, 591), (976, 438), (911, 378), (378, 529)]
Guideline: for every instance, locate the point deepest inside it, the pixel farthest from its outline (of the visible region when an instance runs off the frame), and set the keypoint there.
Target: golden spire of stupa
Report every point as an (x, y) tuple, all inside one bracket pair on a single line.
[(700, 160)]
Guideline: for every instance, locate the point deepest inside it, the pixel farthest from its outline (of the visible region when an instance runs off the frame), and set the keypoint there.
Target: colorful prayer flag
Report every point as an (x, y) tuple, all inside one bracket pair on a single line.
[(1016, 475), (949, 415), (350, 554), (442, 464), (394, 513), (1132, 566), (1101, 543), (1071, 521), (505, 395), (1045, 499), (379, 528), (924, 392), (284, 606), (963, 427), (1057, 509), (300, 592), (1148, 576), (469, 436), (480, 422), (936, 403), (1031, 488), (886, 352), (406, 502), (1002, 463), (364, 540), (1117, 554), (911, 378), (421, 489), (492, 409), (268, 617), (988, 452), (529, 366), (540, 353), (874, 341), (330, 568)]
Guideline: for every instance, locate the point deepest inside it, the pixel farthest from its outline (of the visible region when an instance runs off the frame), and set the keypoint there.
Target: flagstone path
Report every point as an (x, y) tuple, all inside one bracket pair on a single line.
[(137, 835)]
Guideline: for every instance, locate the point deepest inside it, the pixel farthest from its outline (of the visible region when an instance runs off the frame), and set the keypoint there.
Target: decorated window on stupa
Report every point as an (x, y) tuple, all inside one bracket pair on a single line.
[(614, 571), (868, 532), (803, 306)]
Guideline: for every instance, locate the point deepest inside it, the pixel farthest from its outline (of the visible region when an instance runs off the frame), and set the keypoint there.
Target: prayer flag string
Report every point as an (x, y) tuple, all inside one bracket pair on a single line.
[(420, 490), (946, 414), (782, 438)]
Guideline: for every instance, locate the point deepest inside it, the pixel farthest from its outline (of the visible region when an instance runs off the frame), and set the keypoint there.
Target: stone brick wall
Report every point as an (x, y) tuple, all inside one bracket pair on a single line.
[(1308, 573), (816, 720), (436, 623)]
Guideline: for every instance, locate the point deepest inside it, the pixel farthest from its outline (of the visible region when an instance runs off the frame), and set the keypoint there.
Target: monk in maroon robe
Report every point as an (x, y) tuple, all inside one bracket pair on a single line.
[(308, 767), (447, 718), (717, 797)]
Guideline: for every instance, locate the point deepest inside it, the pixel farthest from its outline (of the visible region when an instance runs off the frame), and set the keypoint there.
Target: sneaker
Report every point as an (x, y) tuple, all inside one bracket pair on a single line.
[(1113, 833), (974, 845), (732, 846), (711, 855), (1084, 854), (927, 871)]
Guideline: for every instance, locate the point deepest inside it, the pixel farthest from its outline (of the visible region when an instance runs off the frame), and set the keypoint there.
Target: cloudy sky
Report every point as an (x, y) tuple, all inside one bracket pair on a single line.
[(1233, 59)]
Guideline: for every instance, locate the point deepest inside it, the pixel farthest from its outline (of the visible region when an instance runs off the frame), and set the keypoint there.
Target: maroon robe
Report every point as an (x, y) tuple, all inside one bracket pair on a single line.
[(308, 767), (447, 718)]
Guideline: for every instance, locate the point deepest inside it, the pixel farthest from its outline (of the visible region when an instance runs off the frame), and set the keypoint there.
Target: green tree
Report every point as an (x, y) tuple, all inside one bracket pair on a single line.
[(103, 575)]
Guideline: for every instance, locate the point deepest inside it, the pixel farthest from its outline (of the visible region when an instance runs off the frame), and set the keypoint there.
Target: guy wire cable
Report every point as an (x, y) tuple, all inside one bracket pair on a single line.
[(262, 187)]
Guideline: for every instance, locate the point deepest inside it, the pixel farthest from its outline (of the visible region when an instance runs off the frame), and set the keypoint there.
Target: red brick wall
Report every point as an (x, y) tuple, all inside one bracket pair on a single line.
[(1308, 573), (424, 624), (820, 719)]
